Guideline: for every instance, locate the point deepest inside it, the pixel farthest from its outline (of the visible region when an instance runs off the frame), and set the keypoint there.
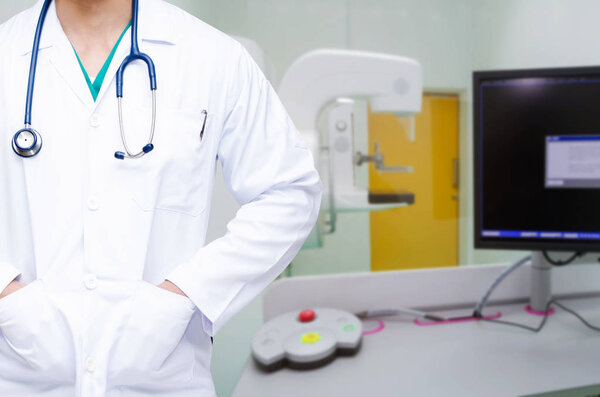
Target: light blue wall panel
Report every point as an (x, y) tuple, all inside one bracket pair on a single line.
[(435, 32)]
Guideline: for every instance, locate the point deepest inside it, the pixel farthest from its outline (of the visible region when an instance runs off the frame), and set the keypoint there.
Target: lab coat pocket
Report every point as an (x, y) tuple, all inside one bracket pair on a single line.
[(38, 335), (144, 352), (174, 176)]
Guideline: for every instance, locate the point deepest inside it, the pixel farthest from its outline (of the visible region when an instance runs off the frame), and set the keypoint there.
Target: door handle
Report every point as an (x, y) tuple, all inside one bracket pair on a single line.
[(456, 173), (379, 160)]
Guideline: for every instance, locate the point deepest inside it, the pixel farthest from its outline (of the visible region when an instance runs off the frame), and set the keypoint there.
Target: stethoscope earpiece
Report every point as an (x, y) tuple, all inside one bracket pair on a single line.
[(27, 142), (122, 155)]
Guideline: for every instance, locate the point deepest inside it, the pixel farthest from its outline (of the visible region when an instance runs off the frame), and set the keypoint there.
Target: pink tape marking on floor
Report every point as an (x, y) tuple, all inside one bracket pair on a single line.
[(529, 310), (380, 327)]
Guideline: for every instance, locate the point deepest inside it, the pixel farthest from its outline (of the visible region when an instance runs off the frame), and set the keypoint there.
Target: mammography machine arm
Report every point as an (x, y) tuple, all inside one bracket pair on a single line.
[(322, 84)]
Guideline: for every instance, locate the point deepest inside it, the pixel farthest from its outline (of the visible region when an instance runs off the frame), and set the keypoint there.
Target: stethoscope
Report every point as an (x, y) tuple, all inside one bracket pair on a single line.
[(27, 142)]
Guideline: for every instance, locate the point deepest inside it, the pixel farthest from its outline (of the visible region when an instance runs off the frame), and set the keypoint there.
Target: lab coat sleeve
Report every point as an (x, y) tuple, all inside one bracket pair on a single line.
[(271, 173), (7, 274)]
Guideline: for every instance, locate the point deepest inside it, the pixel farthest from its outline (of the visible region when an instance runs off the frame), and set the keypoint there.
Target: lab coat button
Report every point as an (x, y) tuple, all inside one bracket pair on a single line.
[(90, 364), (93, 204), (90, 281), (95, 120)]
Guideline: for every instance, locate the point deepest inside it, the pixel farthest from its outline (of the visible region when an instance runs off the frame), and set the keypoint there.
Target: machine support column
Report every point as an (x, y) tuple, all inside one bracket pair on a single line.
[(541, 282)]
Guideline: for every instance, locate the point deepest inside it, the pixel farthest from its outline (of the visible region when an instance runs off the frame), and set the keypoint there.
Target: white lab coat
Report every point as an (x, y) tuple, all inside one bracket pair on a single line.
[(93, 235)]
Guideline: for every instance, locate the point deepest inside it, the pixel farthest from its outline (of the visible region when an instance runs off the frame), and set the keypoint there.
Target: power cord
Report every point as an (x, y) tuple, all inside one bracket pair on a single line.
[(477, 313), (562, 263), (479, 308), (393, 312), (545, 319)]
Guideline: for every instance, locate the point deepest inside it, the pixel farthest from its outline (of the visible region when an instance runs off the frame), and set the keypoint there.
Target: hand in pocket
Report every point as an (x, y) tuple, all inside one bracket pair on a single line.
[(152, 331), (38, 333)]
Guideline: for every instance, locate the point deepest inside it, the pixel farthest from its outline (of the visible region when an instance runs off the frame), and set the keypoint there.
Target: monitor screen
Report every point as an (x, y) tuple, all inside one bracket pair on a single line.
[(537, 159)]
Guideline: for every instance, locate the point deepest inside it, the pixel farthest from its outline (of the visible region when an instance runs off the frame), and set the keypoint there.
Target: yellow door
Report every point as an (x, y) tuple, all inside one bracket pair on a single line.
[(424, 234)]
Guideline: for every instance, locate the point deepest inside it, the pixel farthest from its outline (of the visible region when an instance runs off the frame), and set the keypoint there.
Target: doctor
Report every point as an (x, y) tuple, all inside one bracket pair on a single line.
[(107, 286)]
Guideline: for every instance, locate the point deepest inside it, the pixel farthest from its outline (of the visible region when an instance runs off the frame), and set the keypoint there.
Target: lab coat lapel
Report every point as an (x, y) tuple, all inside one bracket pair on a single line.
[(152, 28), (63, 58), (52, 54)]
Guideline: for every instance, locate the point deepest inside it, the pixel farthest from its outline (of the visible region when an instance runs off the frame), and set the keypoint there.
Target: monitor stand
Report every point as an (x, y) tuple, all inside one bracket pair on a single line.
[(541, 283)]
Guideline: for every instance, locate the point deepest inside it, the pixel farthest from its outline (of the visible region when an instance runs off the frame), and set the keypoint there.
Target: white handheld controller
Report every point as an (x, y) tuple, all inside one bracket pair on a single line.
[(306, 339)]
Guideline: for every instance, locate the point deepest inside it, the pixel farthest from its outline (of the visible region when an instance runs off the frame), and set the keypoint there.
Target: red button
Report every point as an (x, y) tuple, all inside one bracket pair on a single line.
[(306, 316)]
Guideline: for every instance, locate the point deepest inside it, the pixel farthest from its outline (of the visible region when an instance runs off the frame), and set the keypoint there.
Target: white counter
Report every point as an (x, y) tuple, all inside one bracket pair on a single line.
[(466, 359)]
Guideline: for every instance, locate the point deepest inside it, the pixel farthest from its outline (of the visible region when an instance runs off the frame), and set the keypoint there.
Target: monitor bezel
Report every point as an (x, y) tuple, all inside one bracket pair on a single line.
[(520, 244)]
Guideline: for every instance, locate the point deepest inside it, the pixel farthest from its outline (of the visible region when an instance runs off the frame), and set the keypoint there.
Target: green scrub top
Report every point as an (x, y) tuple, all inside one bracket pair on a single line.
[(97, 84)]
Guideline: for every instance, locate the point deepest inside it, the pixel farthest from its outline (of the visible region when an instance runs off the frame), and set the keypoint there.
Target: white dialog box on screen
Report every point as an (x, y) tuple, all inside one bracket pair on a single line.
[(573, 161)]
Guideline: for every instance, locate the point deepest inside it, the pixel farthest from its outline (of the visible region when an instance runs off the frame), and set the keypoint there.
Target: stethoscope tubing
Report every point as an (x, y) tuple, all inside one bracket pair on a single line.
[(149, 147), (34, 58), (134, 55)]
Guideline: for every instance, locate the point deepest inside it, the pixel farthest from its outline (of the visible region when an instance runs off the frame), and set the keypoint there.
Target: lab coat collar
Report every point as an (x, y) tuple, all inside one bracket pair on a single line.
[(62, 56), (150, 28), (49, 29)]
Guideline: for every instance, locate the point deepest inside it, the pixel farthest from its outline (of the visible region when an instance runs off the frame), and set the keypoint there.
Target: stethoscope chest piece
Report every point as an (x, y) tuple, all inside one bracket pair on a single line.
[(27, 142)]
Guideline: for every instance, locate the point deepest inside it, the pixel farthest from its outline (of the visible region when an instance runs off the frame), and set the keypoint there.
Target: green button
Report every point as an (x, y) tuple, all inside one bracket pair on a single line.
[(311, 338), (349, 327)]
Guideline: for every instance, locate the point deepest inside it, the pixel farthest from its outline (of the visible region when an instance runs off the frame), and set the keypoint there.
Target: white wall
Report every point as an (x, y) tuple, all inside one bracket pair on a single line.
[(11, 7), (536, 33)]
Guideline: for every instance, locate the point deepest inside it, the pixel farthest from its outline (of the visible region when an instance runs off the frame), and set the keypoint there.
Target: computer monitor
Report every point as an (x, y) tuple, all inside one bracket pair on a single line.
[(537, 159)]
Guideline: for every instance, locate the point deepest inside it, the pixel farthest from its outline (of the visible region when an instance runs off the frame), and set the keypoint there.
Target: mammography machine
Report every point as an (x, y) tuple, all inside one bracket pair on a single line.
[(319, 92)]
